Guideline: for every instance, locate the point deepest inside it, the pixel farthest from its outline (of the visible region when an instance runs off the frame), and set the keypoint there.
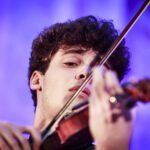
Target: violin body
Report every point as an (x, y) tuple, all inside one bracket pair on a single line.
[(72, 133), (79, 141)]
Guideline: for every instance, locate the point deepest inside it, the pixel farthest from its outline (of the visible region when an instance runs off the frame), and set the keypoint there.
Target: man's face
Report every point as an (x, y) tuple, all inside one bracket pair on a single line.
[(66, 72)]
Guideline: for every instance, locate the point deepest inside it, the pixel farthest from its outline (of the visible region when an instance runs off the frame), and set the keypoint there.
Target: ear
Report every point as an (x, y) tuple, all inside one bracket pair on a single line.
[(36, 80)]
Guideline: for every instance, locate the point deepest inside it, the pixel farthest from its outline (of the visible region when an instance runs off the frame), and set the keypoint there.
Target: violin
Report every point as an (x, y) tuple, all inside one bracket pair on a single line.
[(73, 131)]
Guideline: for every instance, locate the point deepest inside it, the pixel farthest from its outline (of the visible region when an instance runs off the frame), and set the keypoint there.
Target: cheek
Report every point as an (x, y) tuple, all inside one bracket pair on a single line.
[(57, 82), (56, 87)]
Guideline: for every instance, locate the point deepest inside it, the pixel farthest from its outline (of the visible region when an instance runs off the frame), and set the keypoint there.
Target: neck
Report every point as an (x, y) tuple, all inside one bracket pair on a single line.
[(41, 121)]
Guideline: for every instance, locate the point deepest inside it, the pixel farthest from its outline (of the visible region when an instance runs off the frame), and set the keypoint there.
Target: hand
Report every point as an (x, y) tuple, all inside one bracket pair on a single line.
[(110, 122), (11, 137)]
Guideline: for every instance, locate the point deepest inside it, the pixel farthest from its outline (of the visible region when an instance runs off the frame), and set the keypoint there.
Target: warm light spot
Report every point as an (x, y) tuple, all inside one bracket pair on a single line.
[(113, 99)]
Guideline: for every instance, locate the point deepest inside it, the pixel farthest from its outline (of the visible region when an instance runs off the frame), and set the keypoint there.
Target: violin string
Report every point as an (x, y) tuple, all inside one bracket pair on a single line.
[(110, 51)]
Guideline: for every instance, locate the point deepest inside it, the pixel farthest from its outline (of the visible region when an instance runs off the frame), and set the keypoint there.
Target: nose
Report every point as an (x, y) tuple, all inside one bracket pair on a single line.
[(81, 75)]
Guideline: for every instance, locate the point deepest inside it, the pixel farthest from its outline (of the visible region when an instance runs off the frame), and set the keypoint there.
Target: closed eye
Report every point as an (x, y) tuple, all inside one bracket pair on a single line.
[(70, 64)]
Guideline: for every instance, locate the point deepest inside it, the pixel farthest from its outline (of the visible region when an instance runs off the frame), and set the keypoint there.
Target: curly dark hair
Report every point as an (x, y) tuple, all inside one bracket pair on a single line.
[(90, 32)]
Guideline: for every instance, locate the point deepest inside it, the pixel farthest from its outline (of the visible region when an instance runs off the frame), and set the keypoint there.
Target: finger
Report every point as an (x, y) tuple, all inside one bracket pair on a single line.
[(106, 84), (24, 144), (35, 135), (20, 141), (98, 82), (99, 97), (113, 87), (3, 144), (112, 83), (8, 137)]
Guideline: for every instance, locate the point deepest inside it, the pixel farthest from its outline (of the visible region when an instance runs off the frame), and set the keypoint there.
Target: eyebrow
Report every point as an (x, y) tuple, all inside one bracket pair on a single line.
[(75, 51)]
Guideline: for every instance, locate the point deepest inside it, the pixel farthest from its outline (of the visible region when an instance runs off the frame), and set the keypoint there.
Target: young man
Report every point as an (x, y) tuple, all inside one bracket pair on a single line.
[(59, 63)]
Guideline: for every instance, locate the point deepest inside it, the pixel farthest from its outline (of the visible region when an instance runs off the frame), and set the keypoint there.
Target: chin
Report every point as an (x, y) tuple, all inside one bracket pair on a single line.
[(81, 98)]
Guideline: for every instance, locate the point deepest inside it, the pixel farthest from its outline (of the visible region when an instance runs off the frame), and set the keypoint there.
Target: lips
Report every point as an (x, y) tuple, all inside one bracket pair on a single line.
[(84, 93)]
